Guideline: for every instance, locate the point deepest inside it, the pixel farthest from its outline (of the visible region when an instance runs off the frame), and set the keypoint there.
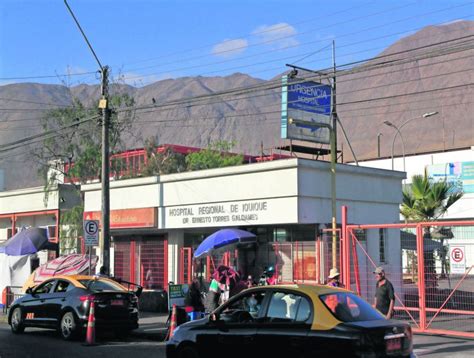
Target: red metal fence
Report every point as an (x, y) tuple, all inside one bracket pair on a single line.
[(430, 266)]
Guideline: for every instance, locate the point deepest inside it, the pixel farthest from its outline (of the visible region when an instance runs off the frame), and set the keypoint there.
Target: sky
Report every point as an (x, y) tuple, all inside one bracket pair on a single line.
[(148, 41)]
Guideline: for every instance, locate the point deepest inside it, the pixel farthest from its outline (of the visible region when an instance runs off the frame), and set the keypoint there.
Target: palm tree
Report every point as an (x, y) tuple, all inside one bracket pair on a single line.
[(426, 200)]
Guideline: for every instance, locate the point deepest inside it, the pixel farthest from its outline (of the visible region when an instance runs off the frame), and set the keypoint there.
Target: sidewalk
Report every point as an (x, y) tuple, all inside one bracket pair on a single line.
[(152, 325), (3, 316)]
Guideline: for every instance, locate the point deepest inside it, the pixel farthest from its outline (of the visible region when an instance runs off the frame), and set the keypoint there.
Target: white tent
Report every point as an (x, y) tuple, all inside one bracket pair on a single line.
[(14, 271)]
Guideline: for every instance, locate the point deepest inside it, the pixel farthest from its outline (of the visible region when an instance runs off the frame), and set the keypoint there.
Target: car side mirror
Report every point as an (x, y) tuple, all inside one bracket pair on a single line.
[(29, 290)]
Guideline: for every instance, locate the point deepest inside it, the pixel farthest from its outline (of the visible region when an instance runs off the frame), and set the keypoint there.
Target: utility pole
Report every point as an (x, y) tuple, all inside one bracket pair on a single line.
[(333, 145), (105, 177), (333, 160)]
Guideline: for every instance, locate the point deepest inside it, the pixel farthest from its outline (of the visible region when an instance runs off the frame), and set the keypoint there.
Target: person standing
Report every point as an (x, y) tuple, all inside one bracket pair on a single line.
[(213, 296), (193, 297), (102, 272), (333, 278), (384, 299)]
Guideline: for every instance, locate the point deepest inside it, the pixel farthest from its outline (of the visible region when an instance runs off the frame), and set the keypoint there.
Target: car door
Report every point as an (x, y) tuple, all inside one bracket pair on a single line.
[(283, 331), (57, 299), (233, 332), (35, 305)]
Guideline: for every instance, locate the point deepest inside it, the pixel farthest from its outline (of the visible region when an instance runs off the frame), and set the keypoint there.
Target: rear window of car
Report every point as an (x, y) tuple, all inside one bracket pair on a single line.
[(348, 307), (101, 285)]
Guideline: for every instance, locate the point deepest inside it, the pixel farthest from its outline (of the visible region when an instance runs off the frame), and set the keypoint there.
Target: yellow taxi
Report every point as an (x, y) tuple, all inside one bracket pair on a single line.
[(293, 321)]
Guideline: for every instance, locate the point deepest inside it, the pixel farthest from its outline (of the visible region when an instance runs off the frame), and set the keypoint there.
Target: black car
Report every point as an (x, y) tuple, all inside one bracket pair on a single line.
[(63, 303), (292, 321)]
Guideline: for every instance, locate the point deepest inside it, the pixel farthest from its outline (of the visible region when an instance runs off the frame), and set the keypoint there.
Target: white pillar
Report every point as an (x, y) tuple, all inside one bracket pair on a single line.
[(175, 242)]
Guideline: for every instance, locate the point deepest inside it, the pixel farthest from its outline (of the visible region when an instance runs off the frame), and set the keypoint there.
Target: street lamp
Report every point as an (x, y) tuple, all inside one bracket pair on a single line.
[(398, 131)]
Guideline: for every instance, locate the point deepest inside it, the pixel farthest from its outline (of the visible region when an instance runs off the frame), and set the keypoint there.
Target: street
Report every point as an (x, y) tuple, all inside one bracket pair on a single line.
[(46, 343)]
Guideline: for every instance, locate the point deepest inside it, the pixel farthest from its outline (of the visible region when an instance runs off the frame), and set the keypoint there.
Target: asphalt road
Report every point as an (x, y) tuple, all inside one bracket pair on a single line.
[(38, 343), (443, 346), (45, 343)]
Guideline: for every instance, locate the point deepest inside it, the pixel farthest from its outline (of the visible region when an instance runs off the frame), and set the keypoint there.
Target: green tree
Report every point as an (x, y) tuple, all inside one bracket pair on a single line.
[(216, 155), (71, 228), (164, 162), (77, 142), (425, 200)]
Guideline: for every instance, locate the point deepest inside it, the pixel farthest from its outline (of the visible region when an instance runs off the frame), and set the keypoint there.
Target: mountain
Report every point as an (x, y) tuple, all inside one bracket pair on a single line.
[(387, 88)]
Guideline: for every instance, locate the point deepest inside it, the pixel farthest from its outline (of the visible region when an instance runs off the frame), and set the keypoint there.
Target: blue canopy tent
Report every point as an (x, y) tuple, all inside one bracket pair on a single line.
[(222, 238)]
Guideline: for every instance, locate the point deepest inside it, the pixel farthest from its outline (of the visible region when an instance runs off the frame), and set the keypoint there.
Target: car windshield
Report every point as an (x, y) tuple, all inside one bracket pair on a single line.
[(347, 307), (101, 285)]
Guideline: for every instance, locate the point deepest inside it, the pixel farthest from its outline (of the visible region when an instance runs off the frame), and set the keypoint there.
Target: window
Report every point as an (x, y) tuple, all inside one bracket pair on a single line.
[(44, 287), (62, 286), (245, 308), (101, 285), (288, 307), (348, 307), (382, 245)]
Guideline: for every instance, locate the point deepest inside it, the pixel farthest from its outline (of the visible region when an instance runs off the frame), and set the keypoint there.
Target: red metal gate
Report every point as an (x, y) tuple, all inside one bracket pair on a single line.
[(185, 265), (142, 261), (432, 292)]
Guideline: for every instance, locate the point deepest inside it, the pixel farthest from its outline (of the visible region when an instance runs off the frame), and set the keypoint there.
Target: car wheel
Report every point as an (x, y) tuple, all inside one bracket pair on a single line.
[(16, 322), (68, 326), (187, 352)]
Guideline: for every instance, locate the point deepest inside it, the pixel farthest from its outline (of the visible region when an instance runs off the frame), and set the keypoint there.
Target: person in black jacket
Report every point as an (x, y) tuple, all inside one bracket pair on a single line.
[(193, 297)]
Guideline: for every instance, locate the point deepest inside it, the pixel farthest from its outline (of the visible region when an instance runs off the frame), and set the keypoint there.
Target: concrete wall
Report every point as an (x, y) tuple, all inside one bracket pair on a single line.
[(25, 200), (2, 180)]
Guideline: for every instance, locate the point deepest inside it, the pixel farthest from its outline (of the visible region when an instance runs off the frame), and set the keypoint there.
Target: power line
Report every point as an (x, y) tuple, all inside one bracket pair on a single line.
[(274, 29), (214, 95), (272, 51), (310, 31), (276, 83), (278, 28), (268, 85)]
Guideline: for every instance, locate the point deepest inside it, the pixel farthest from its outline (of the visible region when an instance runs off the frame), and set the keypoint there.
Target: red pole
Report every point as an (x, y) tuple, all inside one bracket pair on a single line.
[(277, 268), (13, 225), (356, 264), (190, 265), (131, 272), (165, 264), (296, 261), (421, 276), (318, 260), (346, 266), (303, 267), (181, 265)]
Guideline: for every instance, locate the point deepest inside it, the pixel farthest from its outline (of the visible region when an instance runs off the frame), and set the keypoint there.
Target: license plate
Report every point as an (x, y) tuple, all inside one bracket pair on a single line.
[(116, 302), (394, 344)]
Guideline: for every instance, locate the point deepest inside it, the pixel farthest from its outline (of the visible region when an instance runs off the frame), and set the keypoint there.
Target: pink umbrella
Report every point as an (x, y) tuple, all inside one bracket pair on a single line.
[(73, 264)]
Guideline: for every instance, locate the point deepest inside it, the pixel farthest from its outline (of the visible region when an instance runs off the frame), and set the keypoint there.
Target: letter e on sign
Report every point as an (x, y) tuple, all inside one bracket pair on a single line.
[(457, 259), (91, 232)]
